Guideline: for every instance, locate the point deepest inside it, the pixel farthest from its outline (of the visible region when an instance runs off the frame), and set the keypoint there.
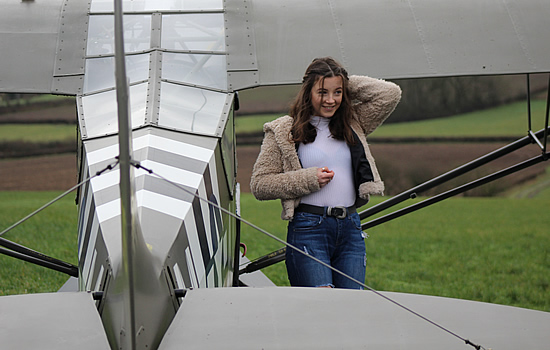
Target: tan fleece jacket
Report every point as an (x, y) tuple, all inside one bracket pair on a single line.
[(278, 174)]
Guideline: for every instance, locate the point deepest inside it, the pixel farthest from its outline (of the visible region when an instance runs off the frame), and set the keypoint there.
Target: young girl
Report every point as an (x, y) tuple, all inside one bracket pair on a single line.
[(317, 161)]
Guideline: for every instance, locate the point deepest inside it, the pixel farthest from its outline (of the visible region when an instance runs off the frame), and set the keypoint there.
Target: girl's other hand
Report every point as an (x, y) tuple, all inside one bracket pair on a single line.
[(324, 176)]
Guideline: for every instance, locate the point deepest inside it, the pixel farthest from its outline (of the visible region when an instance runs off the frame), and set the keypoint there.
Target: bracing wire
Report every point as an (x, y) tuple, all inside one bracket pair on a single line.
[(150, 171)]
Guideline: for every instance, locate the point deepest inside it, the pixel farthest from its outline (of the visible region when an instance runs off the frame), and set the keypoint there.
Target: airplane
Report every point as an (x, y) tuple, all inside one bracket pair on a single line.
[(156, 84)]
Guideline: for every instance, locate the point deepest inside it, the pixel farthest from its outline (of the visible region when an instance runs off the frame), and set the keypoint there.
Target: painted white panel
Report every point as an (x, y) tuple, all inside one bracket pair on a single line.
[(108, 210), (205, 215), (181, 148), (105, 180), (214, 178), (179, 176), (102, 154), (164, 204), (158, 142)]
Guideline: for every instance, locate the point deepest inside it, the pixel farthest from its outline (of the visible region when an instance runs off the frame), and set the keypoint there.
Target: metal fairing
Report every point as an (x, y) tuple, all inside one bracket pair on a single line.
[(188, 238), (165, 211)]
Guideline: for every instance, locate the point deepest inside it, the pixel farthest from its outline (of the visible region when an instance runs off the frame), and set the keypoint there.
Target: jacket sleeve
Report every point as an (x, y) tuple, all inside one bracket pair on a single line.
[(373, 100), (270, 180)]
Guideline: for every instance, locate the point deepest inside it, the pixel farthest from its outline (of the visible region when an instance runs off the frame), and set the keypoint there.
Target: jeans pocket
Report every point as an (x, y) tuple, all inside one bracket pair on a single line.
[(306, 221)]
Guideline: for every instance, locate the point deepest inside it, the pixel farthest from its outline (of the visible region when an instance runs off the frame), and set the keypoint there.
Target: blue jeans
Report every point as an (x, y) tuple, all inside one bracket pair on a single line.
[(337, 242)]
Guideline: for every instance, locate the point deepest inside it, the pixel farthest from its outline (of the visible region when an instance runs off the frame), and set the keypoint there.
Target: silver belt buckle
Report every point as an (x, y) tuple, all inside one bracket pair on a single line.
[(341, 216)]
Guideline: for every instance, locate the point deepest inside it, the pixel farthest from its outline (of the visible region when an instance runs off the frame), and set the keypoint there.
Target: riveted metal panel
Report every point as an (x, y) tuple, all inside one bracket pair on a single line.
[(153, 89), (71, 46), (242, 66)]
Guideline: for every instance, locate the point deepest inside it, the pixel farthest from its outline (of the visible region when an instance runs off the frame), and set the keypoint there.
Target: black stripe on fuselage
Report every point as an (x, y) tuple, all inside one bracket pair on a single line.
[(201, 231)]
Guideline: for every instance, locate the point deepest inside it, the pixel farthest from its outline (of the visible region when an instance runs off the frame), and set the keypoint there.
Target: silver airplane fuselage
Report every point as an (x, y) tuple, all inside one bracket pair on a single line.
[(182, 120)]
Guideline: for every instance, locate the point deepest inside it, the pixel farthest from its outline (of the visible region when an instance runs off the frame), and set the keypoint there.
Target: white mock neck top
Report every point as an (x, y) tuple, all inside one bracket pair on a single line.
[(326, 151)]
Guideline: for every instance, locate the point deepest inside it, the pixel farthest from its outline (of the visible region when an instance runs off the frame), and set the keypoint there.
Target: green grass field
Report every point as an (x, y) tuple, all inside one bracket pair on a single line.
[(52, 232), (253, 123), (488, 249), (506, 120), (37, 132), (38, 98)]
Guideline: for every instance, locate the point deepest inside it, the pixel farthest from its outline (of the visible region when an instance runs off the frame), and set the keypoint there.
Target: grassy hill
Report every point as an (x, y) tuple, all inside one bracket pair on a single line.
[(37, 132), (507, 120)]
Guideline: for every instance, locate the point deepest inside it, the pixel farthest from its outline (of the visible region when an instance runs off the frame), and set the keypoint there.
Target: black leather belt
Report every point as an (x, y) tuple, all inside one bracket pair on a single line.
[(337, 212)]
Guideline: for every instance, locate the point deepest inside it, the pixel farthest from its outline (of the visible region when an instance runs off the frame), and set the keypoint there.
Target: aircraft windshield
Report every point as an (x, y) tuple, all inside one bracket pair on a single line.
[(154, 5), (175, 62)]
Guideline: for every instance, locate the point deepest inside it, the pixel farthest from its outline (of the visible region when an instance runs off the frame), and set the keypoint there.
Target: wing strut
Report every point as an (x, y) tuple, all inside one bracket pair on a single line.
[(126, 190), (412, 193), (23, 253), (455, 191)]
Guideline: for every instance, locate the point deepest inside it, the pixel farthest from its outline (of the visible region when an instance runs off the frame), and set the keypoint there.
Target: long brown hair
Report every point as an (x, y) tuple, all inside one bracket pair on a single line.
[(301, 109)]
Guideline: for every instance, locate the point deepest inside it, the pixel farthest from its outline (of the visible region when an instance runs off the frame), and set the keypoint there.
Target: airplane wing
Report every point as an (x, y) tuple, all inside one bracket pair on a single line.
[(61, 321), (317, 318), (388, 38), (271, 42)]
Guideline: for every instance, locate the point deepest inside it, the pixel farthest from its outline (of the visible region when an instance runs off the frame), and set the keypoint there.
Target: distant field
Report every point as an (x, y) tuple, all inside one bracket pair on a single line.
[(37, 132), (34, 99), (506, 120), (253, 123)]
